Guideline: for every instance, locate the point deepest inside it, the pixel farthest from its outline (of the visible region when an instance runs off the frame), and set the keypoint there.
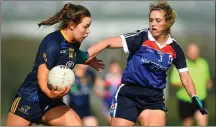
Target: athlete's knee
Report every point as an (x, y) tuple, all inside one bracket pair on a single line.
[(152, 118), (15, 120), (72, 119)]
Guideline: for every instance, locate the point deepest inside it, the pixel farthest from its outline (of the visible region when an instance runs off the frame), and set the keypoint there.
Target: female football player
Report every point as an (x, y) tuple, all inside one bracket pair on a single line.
[(151, 53), (34, 101)]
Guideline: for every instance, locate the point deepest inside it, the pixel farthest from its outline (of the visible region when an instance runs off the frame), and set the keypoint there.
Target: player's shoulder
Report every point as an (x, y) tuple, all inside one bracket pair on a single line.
[(137, 32), (51, 38), (143, 31), (176, 45)]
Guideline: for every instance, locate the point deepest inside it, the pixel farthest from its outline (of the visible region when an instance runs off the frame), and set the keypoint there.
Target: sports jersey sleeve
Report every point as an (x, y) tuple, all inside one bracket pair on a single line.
[(81, 57), (48, 53), (180, 61), (132, 41)]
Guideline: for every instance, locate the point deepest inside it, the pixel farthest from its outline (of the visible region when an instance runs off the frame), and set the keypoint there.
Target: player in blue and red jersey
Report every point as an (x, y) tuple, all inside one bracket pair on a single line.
[(34, 101), (151, 53)]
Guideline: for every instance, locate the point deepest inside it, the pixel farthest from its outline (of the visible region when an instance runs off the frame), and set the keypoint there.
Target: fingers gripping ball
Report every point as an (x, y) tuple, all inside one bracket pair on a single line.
[(60, 76)]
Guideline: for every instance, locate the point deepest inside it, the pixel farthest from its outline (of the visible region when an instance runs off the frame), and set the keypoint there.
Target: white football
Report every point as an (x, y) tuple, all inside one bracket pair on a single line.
[(60, 76)]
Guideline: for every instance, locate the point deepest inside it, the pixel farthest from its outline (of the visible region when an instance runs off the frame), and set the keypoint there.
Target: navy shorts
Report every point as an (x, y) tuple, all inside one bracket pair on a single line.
[(187, 109), (82, 111), (131, 99), (33, 111)]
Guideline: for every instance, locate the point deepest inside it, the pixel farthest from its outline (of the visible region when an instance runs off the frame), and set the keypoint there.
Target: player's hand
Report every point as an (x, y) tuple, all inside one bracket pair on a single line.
[(54, 93), (196, 101), (68, 88), (95, 63)]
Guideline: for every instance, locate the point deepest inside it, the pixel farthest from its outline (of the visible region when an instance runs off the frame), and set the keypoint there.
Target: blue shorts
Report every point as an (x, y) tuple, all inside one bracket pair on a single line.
[(131, 99), (33, 111), (82, 111)]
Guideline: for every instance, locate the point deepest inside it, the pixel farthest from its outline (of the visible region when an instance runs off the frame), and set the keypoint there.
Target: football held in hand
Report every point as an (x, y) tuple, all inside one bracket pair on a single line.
[(60, 77)]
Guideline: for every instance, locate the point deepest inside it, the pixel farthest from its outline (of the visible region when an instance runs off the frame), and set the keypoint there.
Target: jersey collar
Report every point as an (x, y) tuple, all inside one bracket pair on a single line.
[(63, 34), (151, 38)]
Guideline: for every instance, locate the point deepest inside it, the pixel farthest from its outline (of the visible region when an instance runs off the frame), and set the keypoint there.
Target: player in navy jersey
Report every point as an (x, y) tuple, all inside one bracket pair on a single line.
[(151, 53), (34, 101)]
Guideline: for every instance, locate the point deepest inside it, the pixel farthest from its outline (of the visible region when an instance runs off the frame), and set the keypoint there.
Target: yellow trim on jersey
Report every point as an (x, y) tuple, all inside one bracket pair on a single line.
[(15, 104), (65, 37)]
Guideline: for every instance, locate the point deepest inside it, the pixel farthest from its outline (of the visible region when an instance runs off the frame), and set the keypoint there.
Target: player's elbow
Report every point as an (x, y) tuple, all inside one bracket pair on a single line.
[(114, 42)]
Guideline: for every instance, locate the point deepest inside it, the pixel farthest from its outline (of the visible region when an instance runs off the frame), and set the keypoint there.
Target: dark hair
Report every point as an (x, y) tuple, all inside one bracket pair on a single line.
[(70, 12), (170, 14)]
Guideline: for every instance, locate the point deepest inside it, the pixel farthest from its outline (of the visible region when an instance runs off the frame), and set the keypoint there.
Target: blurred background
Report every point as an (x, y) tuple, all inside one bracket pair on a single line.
[(20, 38)]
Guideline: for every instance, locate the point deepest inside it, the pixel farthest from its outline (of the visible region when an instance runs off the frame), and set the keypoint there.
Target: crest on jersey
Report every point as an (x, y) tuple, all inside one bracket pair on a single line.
[(170, 59), (70, 53), (70, 64)]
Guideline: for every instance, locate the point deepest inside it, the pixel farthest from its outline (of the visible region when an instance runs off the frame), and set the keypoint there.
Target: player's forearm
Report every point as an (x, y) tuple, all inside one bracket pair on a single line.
[(42, 79), (189, 85), (114, 42)]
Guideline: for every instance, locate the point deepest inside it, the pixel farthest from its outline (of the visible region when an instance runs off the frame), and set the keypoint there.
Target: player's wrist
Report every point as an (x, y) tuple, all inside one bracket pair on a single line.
[(49, 93), (195, 100), (198, 103)]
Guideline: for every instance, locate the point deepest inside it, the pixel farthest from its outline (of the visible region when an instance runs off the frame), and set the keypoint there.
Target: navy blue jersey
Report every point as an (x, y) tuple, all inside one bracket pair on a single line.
[(53, 50), (148, 62), (80, 93)]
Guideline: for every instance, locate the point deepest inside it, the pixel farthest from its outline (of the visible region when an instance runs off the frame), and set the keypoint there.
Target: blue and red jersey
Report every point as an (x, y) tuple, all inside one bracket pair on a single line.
[(148, 62)]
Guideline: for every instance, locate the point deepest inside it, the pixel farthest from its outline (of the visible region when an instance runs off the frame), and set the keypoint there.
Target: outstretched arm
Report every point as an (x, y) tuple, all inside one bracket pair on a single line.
[(130, 42), (83, 58), (114, 42), (187, 82)]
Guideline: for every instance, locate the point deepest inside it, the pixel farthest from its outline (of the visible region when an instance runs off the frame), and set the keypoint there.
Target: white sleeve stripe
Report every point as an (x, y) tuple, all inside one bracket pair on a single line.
[(124, 43), (134, 34), (183, 69)]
